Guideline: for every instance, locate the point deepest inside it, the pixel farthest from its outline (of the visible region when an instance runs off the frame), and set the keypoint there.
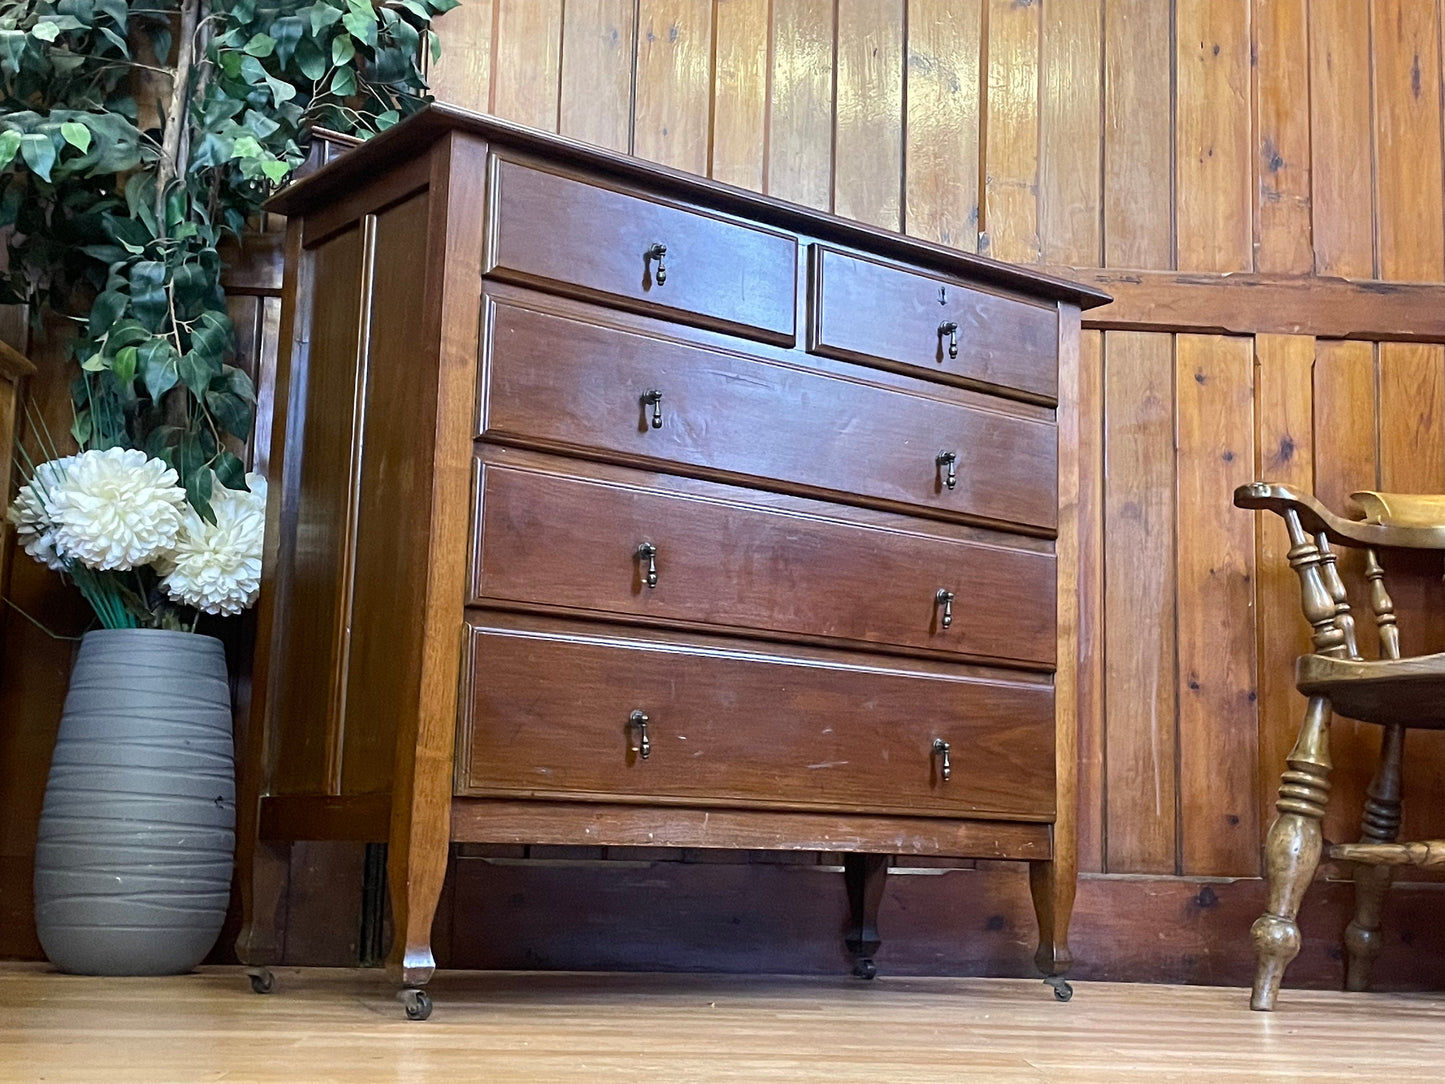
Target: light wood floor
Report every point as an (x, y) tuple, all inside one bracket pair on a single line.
[(344, 1026)]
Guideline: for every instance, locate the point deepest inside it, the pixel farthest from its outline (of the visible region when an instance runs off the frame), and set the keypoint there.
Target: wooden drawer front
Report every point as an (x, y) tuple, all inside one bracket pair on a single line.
[(559, 383), (555, 540), (555, 231), (881, 315), (551, 717)]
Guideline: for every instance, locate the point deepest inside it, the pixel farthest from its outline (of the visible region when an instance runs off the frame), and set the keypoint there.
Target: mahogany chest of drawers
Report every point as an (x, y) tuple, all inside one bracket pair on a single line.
[(615, 507)]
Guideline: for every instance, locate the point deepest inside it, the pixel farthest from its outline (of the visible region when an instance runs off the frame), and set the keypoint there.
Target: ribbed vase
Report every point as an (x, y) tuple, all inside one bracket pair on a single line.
[(138, 830)]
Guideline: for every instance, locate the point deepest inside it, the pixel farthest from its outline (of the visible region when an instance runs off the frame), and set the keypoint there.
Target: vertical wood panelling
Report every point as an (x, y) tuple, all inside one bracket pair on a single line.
[(1218, 727), (463, 75), (1139, 604), (1408, 229), (674, 83), (1346, 436), (740, 92), (1011, 134), (942, 123), (1341, 197), (526, 70), (1071, 87), (1284, 453), (868, 141), (1282, 240), (1091, 731), (1212, 156), (597, 45), (800, 139), (1138, 122)]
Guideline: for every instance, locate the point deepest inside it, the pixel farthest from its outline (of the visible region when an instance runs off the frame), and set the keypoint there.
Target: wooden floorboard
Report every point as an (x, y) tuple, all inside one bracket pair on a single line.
[(324, 1025)]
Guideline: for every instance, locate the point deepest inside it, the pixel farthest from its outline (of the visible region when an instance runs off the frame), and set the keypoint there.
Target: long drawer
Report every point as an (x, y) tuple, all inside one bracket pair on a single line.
[(640, 252), (553, 713), (571, 385), (632, 546)]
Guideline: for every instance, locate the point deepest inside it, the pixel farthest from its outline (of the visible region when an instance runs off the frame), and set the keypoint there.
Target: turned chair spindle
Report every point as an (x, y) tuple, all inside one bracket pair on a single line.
[(1394, 692)]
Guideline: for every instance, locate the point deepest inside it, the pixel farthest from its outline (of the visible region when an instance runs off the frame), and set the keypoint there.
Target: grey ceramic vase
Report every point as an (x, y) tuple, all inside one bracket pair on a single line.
[(138, 830)]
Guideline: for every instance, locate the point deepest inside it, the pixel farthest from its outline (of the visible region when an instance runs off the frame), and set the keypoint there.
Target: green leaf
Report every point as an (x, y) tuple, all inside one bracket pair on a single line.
[(198, 487), (148, 293), (76, 134), (105, 311), (310, 60), (281, 91), (361, 24), (275, 171), (125, 363), (233, 414), (45, 30), (261, 45), (343, 83), (246, 147), (93, 364), (230, 471), (157, 364), (39, 154), (322, 16), (80, 428), (196, 368), (9, 144), (342, 51)]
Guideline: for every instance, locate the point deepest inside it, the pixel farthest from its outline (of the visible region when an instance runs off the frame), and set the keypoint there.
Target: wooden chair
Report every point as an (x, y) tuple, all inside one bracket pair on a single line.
[(1393, 692)]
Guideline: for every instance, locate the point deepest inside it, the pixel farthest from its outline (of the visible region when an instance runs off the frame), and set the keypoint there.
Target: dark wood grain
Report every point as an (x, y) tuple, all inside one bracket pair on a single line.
[(734, 726), (717, 271), (549, 537), (745, 419), (877, 314)]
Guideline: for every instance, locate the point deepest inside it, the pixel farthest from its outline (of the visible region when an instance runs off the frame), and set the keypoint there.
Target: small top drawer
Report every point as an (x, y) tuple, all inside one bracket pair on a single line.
[(639, 253), (882, 315)]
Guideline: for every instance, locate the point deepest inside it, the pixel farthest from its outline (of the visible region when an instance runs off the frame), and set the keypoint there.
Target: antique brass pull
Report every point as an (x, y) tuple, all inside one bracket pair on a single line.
[(940, 747), (658, 252), (644, 746), (653, 399), (949, 460), (648, 552), (945, 596), (949, 328)]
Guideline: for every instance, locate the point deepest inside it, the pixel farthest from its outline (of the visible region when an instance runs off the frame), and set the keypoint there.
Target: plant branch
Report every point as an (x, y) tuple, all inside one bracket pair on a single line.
[(169, 166)]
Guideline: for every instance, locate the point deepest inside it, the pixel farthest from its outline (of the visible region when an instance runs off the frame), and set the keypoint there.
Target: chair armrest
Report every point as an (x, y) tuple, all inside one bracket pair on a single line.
[(1317, 519)]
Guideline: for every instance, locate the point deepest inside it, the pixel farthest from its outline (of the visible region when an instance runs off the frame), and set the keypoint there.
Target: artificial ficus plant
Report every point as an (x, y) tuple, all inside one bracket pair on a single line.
[(133, 138)]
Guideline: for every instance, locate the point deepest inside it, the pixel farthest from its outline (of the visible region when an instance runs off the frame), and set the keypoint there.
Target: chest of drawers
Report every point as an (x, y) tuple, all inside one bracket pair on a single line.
[(615, 507)]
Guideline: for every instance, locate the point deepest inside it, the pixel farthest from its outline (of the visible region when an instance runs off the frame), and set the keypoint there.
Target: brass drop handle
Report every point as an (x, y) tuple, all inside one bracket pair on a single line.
[(941, 748), (658, 252), (644, 746), (653, 399), (949, 328), (945, 596), (648, 552), (949, 460)]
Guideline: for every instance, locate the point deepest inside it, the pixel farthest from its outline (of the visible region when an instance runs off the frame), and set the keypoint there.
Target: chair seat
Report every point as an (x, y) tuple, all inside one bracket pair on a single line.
[(1409, 692)]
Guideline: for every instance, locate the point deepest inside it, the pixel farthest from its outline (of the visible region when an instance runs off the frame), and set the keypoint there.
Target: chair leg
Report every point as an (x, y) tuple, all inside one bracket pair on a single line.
[(1292, 851), (1380, 824)]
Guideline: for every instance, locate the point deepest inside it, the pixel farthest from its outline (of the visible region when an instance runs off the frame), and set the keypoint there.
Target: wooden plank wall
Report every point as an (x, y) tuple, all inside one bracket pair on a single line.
[(1209, 138)]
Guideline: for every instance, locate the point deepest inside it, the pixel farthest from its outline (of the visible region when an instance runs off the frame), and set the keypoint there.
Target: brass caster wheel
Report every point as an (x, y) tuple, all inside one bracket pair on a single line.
[(865, 968), (1062, 990), (262, 981), (417, 1004)]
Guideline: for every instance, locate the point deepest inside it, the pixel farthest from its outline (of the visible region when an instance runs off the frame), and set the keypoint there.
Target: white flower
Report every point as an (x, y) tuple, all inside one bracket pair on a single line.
[(31, 513), (217, 567), (116, 509)]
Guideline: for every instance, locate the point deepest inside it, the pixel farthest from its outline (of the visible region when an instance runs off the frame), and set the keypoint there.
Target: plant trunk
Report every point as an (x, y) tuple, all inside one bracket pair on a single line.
[(170, 165)]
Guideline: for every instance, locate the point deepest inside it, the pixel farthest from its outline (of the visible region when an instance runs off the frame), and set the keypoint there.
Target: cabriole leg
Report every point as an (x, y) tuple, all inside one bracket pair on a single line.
[(865, 875), (1292, 851), (1052, 887), (1380, 824), (263, 881)]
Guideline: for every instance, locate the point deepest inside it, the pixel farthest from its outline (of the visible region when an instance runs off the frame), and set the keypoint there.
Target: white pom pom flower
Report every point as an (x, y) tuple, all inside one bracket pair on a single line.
[(117, 509), (35, 529), (216, 567)]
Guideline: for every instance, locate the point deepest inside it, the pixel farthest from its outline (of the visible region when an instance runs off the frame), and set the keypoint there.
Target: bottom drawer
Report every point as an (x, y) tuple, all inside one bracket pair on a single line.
[(551, 715)]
